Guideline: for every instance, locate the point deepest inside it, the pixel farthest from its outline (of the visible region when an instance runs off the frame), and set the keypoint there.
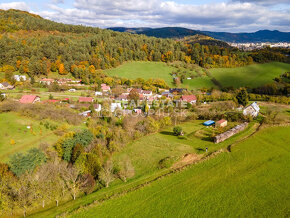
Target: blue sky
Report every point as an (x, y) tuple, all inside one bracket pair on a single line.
[(212, 15)]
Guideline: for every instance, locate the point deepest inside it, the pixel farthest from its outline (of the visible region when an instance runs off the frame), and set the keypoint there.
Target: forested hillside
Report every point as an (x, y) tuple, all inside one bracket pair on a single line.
[(36, 46)]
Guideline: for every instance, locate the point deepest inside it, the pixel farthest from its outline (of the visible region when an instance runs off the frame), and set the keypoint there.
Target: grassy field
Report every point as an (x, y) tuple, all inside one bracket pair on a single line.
[(14, 127), (145, 70), (251, 181), (198, 83), (249, 76)]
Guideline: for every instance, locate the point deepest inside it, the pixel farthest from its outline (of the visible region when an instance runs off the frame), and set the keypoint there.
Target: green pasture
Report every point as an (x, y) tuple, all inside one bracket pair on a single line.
[(249, 76)]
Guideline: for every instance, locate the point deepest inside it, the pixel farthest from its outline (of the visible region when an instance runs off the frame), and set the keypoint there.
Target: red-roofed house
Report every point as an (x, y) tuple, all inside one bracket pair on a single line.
[(188, 98), (47, 81), (85, 99), (105, 88), (29, 99), (221, 123)]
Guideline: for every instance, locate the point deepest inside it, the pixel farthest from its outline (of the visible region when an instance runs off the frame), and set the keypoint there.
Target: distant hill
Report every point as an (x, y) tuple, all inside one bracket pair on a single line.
[(178, 32), (259, 36), (164, 32)]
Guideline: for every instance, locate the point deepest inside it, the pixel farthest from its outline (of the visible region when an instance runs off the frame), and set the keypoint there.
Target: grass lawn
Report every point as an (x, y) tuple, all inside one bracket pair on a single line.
[(14, 127), (249, 76), (145, 70), (251, 181), (198, 83)]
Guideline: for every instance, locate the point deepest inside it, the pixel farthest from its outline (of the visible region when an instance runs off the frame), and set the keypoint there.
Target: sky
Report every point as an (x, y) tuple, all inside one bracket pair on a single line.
[(210, 15)]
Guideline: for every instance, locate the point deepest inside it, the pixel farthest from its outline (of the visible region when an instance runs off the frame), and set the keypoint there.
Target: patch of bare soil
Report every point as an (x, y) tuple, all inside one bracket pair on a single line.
[(187, 159)]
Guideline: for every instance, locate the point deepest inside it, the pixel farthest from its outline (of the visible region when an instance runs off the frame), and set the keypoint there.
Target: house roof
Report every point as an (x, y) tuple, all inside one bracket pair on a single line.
[(47, 79), (188, 98), (255, 106), (105, 87), (5, 84), (26, 99), (221, 121), (148, 92), (85, 99), (208, 123)]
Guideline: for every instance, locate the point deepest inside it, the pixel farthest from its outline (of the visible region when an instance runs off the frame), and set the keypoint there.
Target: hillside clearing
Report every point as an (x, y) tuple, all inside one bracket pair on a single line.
[(144, 70)]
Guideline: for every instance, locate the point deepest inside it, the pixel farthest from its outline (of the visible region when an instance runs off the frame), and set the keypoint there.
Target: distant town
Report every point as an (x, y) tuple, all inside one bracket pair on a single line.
[(249, 46)]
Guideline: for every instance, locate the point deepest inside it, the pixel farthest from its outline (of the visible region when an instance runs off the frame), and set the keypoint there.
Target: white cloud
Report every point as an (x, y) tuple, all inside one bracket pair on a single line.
[(14, 5), (232, 16)]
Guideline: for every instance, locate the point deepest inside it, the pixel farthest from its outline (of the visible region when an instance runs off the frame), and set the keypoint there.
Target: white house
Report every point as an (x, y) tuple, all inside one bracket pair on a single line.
[(98, 93), (115, 106), (19, 78), (252, 110), (146, 93), (98, 107)]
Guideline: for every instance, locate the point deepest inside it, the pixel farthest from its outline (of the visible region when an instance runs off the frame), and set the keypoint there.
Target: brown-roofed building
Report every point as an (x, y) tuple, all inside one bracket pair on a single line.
[(221, 123), (6, 85), (29, 99), (85, 99), (188, 98)]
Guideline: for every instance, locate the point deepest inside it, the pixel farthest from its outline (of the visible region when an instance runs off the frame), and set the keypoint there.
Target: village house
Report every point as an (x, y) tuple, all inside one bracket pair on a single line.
[(97, 107), (46, 81), (6, 85), (115, 106), (252, 110), (123, 97), (167, 94), (19, 78), (146, 93), (29, 99), (105, 88), (85, 99), (188, 98), (177, 91), (98, 93), (221, 123)]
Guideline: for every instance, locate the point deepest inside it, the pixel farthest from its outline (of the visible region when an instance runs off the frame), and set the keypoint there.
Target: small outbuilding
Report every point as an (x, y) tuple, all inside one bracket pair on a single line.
[(208, 123), (221, 123)]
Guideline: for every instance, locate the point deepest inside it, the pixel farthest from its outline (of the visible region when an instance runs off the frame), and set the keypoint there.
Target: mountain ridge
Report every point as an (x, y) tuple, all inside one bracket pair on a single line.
[(180, 32)]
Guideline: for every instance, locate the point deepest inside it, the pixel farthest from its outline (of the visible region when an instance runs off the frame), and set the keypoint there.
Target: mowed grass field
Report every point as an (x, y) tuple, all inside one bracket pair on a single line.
[(14, 128), (144, 70), (249, 76), (251, 181)]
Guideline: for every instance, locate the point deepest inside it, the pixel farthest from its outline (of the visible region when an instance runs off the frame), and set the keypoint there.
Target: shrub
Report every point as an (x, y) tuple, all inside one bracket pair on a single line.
[(177, 130)]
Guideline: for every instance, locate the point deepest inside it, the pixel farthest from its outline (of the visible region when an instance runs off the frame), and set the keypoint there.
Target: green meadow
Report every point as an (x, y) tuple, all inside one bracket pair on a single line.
[(251, 181), (144, 70), (249, 76), (16, 137)]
